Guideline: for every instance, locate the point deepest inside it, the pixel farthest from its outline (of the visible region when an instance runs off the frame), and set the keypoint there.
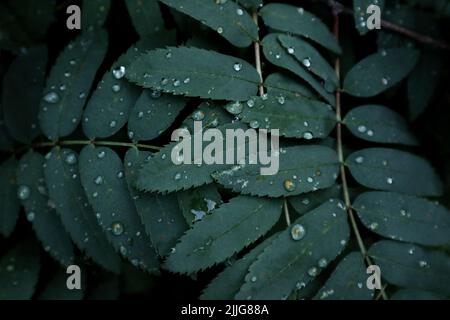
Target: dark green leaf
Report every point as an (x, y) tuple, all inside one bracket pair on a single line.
[(103, 180), (361, 15), (56, 288), (65, 190), (301, 169), (231, 227), (379, 124), (295, 117), (153, 113), (226, 18), (348, 281), (19, 271), (145, 15), (108, 109), (307, 202), (410, 266), (423, 81), (394, 170), (283, 85), (279, 56), (211, 113), (40, 210), (287, 264), (197, 203), (310, 59), (6, 142), (9, 204), (161, 216), (300, 22), (380, 71), (69, 83), (94, 13), (229, 281), (195, 73), (404, 218), (20, 111)]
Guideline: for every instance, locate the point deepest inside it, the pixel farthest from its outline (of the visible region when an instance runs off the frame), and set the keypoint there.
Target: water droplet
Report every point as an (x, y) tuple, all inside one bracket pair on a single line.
[(383, 53), (51, 97), (67, 74), (219, 30), (370, 133), (254, 279), (117, 228), (119, 72), (373, 226), (423, 264), (120, 174), (234, 108), (187, 80), (298, 232), (389, 180), (254, 124), (277, 56), (98, 180), (237, 66), (300, 10), (313, 271), (306, 62), (82, 96), (403, 212), (176, 83), (362, 129), (384, 81), (169, 55), (307, 135), (140, 114), (322, 263), (250, 103), (177, 176), (239, 12), (359, 160), (123, 250), (289, 185), (101, 154), (131, 134), (30, 216), (291, 50), (164, 81), (23, 192), (10, 268), (281, 100), (198, 115), (71, 158), (310, 179), (112, 124), (115, 88)]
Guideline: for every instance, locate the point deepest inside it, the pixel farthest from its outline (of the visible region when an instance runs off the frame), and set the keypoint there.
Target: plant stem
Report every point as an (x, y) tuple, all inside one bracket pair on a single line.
[(340, 152), (337, 6), (286, 212), (87, 142), (258, 57)]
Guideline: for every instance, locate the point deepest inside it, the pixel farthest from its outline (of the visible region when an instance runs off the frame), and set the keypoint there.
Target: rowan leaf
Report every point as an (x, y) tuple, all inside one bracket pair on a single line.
[(226, 18), (404, 218), (379, 124), (380, 71), (231, 227), (276, 54), (394, 170), (195, 73), (64, 187), (102, 177), (348, 281), (301, 169), (295, 256), (300, 22), (69, 83), (19, 271), (40, 210), (309, 201), (20, 111), (145, 15), (284, 85), (161, 216), (9, 204), (413, 267), (294, 117)]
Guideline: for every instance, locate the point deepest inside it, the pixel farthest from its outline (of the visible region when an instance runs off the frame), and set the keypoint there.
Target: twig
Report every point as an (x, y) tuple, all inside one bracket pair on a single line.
[(338, 7), (340, 152), (258, 58)]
